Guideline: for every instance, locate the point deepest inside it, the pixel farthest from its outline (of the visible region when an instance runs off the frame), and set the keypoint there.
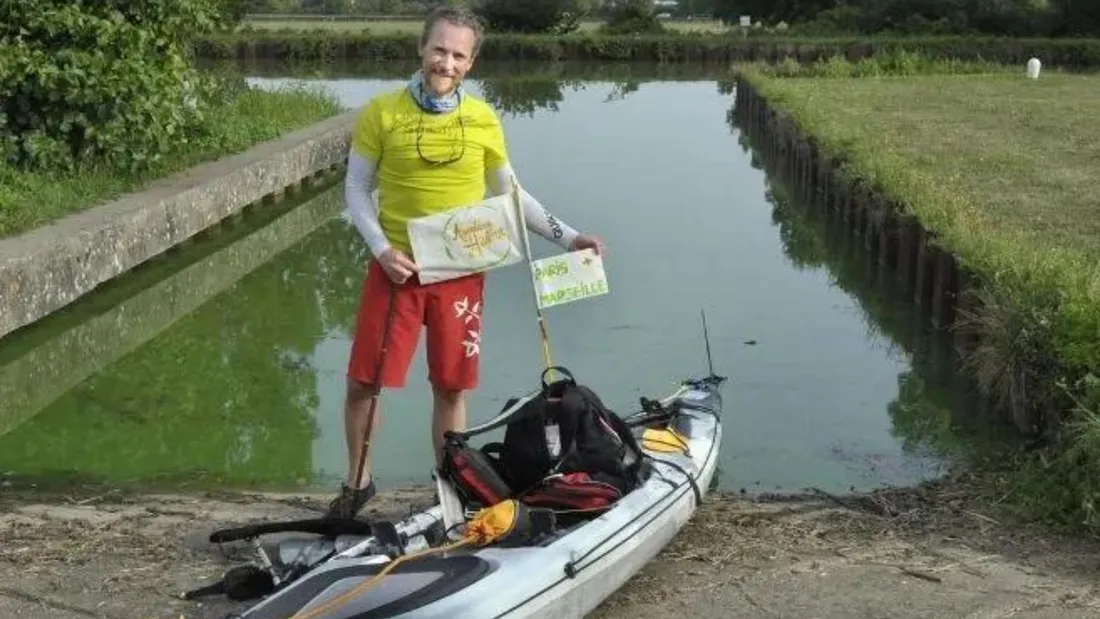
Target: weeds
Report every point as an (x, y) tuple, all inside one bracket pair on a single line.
[(892, 63), (1014, 359), (1060, 483)]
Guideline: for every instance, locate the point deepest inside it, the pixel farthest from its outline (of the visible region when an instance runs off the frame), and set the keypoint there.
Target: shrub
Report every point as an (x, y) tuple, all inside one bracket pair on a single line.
[(326, 46), (244, 117), (530, 16), (893, 62), (108, 81), (232, 12), (1076, 17), (632, 17)]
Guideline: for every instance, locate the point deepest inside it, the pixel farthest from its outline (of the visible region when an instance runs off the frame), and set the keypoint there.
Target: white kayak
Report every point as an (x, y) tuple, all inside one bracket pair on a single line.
[(411, 570), (568, 573)]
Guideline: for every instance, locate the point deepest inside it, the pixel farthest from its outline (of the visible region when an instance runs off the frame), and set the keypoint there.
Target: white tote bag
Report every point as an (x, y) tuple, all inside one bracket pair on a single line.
[(466, 240)]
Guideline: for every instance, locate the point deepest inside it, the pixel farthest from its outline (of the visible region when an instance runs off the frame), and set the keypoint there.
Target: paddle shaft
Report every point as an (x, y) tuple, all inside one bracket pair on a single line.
[(365, 438), (544, 335)]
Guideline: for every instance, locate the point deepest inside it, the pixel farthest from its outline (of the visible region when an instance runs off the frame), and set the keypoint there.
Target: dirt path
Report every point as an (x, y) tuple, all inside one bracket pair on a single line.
[(928, 552)]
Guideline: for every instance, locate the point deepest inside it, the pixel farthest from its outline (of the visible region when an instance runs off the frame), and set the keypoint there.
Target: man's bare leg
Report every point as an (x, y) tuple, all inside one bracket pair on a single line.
[(449, 413), (357, 410)]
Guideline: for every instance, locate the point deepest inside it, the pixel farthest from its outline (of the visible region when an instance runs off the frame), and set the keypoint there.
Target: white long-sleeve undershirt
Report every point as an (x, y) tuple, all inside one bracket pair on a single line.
[(362, 180), (359, 186)]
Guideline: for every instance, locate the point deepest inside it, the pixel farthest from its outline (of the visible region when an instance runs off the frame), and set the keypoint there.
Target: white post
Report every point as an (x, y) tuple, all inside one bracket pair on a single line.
[(1033, 68)]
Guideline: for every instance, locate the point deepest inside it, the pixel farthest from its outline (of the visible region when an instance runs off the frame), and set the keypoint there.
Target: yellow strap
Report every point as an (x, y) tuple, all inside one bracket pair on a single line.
[(664, 441)]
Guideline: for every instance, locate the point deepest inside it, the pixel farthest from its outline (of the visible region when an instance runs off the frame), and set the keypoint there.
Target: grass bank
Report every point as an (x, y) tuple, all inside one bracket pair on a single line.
[(321, 45), (29, 200), (1001, 169)]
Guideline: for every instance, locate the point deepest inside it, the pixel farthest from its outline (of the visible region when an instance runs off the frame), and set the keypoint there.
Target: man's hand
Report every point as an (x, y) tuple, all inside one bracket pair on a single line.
[(397, 265), (585, 241)]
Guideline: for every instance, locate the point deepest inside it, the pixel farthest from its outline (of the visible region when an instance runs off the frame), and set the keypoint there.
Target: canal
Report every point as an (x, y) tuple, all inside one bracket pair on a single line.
[(222, 363)]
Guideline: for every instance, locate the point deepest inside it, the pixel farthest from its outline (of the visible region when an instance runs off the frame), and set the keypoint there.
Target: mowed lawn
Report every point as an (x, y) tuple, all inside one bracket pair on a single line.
[(980, 157), (413, 26)]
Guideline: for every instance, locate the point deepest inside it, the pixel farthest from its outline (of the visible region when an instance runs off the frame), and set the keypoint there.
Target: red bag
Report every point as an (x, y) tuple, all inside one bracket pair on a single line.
[(474, 475), (573, 492)]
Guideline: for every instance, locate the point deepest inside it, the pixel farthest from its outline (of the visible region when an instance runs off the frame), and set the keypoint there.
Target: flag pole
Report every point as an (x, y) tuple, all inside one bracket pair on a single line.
[(543, 334)]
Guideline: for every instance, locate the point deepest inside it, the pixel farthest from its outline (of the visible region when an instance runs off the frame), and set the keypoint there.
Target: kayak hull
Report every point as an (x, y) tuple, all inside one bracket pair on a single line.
[(568, 576)]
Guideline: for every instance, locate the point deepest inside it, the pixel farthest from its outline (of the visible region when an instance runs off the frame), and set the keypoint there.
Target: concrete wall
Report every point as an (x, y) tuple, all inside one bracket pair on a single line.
[(37, 378), (50, 267)]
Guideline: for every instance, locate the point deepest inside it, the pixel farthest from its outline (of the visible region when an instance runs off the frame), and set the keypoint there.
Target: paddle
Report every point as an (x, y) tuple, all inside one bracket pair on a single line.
[(368, 428), (544, 336)]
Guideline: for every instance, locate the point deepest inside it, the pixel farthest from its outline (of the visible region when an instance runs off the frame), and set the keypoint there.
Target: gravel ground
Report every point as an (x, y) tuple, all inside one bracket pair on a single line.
[(932, 551)]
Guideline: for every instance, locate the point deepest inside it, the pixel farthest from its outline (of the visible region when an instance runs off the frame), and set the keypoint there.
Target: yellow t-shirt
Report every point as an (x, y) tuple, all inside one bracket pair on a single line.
[(403, 141)]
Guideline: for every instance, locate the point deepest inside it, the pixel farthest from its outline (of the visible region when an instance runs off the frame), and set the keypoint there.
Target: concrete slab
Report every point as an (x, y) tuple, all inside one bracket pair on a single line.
[(39, 376), (50, 267)]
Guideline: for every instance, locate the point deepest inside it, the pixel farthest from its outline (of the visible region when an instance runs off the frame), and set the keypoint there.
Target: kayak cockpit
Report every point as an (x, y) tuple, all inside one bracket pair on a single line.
[(407, 587)]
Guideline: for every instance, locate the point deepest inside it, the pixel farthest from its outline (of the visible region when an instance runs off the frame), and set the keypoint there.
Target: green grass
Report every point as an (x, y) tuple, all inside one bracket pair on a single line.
[(1003, 170), (1000, 165), (891, 62), (412, 26), (28, 200)]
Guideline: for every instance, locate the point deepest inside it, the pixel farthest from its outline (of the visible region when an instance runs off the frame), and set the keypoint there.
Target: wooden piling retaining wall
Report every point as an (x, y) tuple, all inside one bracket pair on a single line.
[(942, 290)]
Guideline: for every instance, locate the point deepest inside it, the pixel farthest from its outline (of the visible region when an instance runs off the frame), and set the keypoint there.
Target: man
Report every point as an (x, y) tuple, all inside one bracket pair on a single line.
[(427, 147)]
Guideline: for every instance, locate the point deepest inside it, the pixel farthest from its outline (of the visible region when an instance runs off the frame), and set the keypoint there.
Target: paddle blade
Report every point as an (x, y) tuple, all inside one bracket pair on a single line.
[(451, 505)]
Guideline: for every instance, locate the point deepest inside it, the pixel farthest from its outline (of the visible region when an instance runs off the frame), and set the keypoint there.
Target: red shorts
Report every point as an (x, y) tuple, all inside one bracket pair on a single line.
[(451, 311)]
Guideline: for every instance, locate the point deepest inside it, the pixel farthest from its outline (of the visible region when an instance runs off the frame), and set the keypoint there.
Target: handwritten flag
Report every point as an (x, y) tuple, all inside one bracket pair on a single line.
[(568, 277)]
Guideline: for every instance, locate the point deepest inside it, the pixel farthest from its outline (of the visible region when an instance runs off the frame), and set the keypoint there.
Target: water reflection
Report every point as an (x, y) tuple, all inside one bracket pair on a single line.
[(510, 96), (196, 378), (937, 412), (227, 367), (518, 97)]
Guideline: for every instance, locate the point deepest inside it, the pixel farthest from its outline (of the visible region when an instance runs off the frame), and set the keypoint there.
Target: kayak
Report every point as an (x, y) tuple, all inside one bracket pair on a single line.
[(568, 573)]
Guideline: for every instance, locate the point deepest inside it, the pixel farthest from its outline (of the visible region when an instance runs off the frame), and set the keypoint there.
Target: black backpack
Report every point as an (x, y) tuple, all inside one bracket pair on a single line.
[(568, 429)]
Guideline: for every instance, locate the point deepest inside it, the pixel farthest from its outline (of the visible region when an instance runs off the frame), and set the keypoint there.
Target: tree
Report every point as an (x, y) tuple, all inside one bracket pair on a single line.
[(632, 17), (529, 16), (790, 11), (522, 96), (1076, 17), (233, 12)]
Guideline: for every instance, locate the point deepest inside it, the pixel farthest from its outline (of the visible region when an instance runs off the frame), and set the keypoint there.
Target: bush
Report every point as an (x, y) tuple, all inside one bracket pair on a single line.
[(1016, 18), (232, 12), (298, 46), (632, 17), (1005, 17), (530, 16), (242, 118), (108, 81), (1076, 17), (892, 62)]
